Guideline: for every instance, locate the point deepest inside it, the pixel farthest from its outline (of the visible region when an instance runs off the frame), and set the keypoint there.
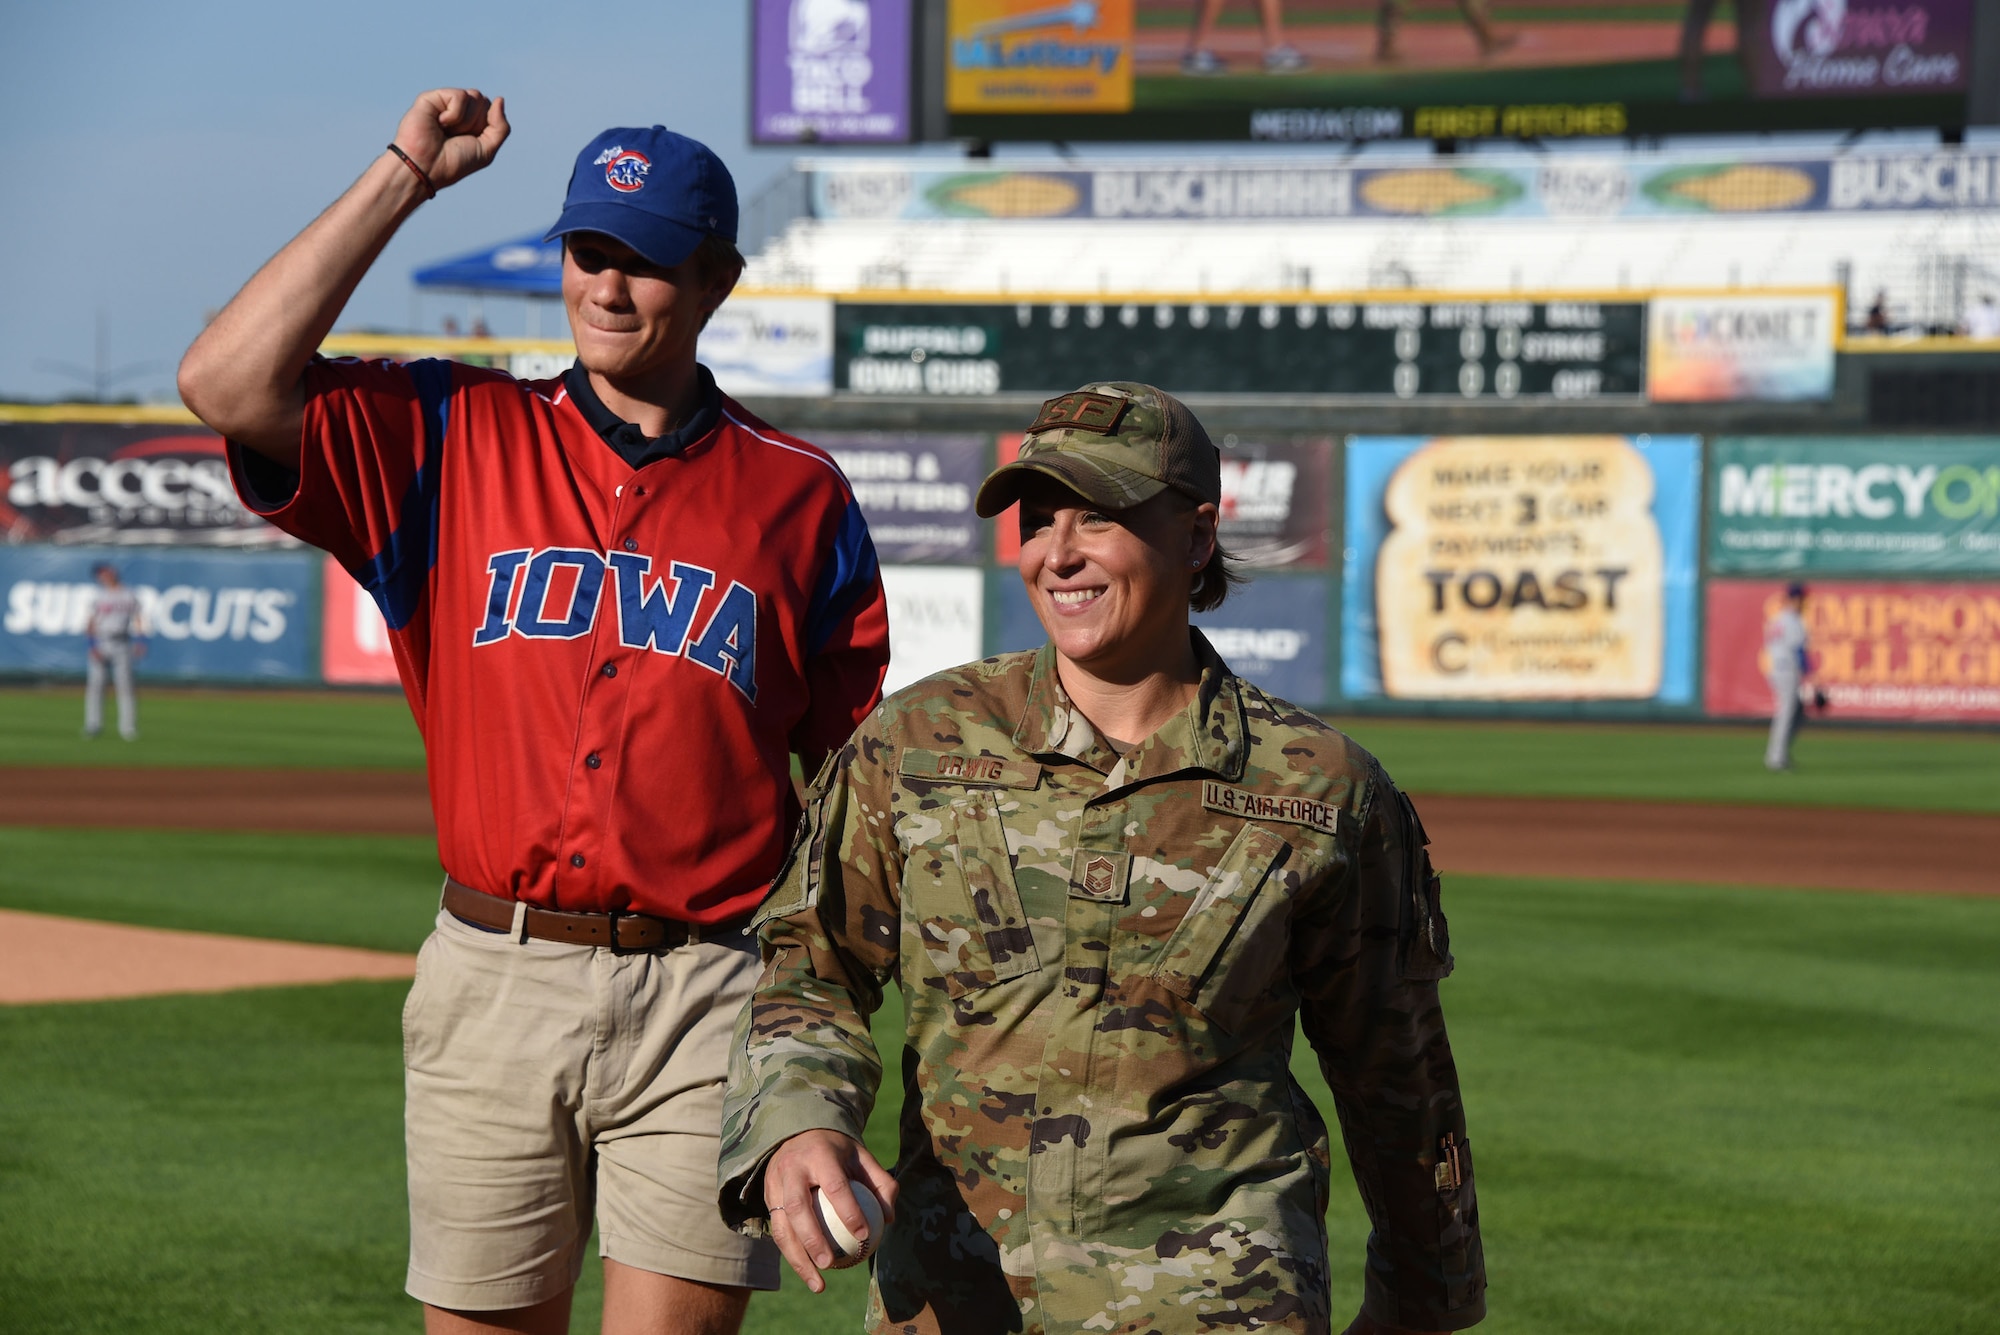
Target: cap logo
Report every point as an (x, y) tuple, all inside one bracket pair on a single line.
[(1082, 412), (624, 168)]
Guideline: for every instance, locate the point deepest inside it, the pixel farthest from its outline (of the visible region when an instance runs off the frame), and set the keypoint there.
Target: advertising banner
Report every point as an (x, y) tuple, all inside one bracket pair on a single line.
[(1487, 350), (1728, 349), (1198, 69), (1520, 568), (1830, 48), (1569, 186), (830, 71), (915, 491), (206, 615), (1276, 501), (1782, 504), (1030, 55), (1902, 651), (770, 346), (111, 483), (937, 619), (353, 637), (1274, 631)]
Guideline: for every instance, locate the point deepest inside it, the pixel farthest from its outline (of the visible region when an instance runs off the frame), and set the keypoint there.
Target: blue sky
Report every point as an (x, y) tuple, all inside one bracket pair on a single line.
[(154, 154)]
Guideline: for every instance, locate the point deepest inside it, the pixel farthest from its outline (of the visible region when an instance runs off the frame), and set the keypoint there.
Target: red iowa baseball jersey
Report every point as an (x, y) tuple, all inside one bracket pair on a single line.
[(610, 665)]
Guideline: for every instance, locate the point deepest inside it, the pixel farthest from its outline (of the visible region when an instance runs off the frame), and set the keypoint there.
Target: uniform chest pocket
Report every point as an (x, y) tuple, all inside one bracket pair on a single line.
[(969, 913), (1230, 917)]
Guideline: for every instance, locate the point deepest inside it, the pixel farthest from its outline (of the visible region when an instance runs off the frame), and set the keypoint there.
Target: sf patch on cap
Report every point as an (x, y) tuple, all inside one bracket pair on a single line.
[(1115, 443)]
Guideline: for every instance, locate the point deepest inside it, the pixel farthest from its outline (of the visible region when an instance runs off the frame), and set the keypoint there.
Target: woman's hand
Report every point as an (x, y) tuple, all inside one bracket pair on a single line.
[(814, 1159)]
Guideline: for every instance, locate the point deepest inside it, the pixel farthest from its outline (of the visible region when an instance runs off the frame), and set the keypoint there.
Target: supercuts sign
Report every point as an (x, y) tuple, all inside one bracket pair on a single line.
[(125, 484)]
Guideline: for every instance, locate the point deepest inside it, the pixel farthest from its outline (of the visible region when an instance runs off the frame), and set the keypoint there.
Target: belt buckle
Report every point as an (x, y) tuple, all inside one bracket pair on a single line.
[(613, 944)]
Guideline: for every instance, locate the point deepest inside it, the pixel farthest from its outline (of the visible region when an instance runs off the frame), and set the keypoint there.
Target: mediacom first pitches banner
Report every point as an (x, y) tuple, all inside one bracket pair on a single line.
[(1520, 568), (207, 616), (1916, 652), (1786, 504)]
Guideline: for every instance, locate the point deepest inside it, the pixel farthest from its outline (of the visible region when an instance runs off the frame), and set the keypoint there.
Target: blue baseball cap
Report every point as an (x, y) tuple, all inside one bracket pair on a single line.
[(657, 191)]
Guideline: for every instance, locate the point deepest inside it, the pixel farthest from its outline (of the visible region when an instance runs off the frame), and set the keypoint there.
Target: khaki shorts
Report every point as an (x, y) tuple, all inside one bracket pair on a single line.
[(544, 1079)]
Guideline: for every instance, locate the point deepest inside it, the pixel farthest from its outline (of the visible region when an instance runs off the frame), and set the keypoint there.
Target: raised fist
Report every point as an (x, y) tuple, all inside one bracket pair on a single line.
[(453, 132)]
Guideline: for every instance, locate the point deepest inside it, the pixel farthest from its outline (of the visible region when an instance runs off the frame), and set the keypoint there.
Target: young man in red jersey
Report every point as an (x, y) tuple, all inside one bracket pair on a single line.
[(619, 604)]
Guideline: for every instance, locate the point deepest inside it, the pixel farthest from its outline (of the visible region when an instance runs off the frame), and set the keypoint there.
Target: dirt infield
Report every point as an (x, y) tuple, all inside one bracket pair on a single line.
[(1808, 847), (299, 801), (44, 959), (1508, 836)]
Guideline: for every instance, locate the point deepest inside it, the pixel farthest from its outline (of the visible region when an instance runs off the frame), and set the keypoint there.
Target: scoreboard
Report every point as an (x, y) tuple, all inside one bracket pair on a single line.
[(1493, 350)]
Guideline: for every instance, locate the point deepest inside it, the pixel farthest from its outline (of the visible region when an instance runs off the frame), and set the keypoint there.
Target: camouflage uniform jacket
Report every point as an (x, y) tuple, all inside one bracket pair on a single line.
[(1101, 961)]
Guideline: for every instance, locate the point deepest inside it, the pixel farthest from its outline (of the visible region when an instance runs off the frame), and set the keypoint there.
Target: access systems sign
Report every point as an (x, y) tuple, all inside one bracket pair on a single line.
[(116, 483)]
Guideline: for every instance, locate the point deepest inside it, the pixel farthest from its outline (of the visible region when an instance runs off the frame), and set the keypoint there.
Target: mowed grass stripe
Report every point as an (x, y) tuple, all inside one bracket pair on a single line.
[(347, 890), (1908, 771), (1692, 1109), (212, 728), (1835, 767)]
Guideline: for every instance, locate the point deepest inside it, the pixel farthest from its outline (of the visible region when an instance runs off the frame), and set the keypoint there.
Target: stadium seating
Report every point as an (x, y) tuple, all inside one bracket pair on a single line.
[(1931, 264)]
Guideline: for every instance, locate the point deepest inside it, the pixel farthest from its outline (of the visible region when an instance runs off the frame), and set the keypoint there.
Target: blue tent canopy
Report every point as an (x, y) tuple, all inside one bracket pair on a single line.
[(529, 267)]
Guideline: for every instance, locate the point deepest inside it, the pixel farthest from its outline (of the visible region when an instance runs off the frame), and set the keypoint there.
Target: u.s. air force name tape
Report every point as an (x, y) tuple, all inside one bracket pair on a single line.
[(1323, 816)]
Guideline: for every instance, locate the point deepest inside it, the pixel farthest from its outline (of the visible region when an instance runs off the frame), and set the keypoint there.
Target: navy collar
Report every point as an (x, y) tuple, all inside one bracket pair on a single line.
[(626, 440)]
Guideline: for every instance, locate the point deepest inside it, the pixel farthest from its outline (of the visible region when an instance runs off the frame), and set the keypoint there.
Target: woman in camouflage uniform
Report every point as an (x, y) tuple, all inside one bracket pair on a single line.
[(1108, 879)]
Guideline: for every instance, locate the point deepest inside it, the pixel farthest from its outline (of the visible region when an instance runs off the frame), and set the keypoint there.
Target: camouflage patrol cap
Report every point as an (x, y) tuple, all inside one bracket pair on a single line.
[(1116, 444)]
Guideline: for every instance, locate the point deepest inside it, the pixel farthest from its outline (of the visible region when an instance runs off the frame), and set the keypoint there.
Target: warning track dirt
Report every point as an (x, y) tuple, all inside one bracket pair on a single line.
[(44, 959)]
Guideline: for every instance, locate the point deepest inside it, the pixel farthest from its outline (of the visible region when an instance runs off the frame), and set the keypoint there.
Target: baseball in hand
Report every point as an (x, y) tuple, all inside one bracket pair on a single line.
[(847, 1249)]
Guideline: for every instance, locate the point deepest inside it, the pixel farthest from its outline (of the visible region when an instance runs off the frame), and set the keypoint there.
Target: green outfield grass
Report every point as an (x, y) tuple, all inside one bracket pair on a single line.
[(376, 892), (1896, 770), (249, 729), (1902, 771), (1693, 1109)]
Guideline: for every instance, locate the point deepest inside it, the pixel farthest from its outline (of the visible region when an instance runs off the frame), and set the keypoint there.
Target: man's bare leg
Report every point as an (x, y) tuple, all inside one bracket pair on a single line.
[(544, 1318), (639, 1302), (636, 1302)]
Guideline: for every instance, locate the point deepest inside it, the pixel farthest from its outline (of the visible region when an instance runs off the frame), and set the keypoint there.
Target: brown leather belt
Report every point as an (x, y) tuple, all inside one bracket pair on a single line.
[(617, 930)]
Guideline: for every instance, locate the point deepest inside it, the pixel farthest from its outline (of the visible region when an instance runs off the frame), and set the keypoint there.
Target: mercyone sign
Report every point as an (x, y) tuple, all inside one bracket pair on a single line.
[(1780, 505)]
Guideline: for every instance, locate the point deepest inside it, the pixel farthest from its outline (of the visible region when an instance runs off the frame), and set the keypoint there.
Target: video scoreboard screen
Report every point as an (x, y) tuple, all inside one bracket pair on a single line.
[(1487, 350)]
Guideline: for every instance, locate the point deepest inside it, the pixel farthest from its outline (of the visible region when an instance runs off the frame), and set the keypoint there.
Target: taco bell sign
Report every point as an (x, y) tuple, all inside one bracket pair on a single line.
[(830, 72)]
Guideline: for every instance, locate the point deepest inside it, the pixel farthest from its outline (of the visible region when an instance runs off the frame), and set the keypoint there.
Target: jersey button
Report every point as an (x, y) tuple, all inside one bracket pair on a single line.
[(593, 760), (610, 669), (631, 544), (576, 859)]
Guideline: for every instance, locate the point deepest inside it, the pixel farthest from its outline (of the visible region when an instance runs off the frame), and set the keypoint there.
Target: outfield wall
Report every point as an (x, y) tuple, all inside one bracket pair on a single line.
[(1570, 574)]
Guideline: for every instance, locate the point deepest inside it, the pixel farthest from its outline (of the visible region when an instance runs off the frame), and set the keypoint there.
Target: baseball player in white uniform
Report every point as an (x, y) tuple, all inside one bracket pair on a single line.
[(116, 629)]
